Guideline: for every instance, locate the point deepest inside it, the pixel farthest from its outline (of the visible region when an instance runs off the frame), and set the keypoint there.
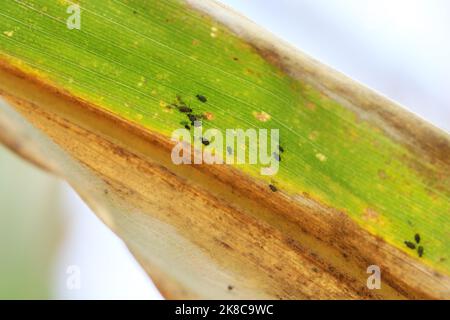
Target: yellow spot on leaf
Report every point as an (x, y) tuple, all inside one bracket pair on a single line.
[(213, 33), (141, 82), (321, 157), (8, 33)]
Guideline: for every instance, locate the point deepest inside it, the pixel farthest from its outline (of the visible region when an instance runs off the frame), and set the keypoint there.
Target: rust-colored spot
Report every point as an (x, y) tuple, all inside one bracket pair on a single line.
[(208, 115), (382, 174), (310, 106), (262, 116)]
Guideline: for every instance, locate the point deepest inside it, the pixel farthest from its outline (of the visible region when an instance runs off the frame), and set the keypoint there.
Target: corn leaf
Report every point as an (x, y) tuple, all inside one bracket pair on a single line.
[(360, 179)]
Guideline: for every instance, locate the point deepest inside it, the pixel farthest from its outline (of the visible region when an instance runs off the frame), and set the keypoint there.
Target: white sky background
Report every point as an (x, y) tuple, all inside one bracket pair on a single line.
[(401, 48)]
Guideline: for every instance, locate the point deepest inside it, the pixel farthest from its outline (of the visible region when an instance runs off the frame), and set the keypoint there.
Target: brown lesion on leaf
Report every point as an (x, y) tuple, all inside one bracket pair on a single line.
[(313, 135), (310, 106), (382, 174)]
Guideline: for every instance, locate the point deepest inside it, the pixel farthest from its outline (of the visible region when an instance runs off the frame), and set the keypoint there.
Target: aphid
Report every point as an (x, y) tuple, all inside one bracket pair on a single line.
[(420, 251), (229, 150), (195, 118), (201, 98), (417, 238), (410, 245), (187, 127), (277, 156), (273, 188), (205, 141), (281, 149), (184, 109), (230, 287), (192, 118)]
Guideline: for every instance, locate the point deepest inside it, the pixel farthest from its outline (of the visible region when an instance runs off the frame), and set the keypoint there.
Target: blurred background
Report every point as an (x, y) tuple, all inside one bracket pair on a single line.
[(61, 250)]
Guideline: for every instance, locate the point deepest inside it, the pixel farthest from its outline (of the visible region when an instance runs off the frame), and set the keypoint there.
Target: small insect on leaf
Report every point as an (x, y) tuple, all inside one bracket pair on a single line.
[(420, 251), (192, 118), (229, 150), (205, 141), (281, 149), (184, 109), (201, 98), (410, 244), (273, 188), (417, 238)]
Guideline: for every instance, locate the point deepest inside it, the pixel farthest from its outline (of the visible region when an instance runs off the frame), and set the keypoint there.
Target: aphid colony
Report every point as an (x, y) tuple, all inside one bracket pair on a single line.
[(411, 245), (252, 146)]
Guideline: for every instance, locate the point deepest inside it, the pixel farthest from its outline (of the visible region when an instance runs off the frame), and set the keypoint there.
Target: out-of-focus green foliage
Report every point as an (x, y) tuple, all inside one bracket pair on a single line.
[(29, 228)]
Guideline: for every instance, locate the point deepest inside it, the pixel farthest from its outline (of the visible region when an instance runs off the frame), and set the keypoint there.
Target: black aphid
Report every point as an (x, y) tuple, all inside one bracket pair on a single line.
[(273, 188), (410, 245), (205, 141), (195, 119), (281, 149), (420, 251), (277, 156), (192, 117), (229, 150), (230, 287), (187, 127), (201, 98), (417, 238), (184, 109)]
